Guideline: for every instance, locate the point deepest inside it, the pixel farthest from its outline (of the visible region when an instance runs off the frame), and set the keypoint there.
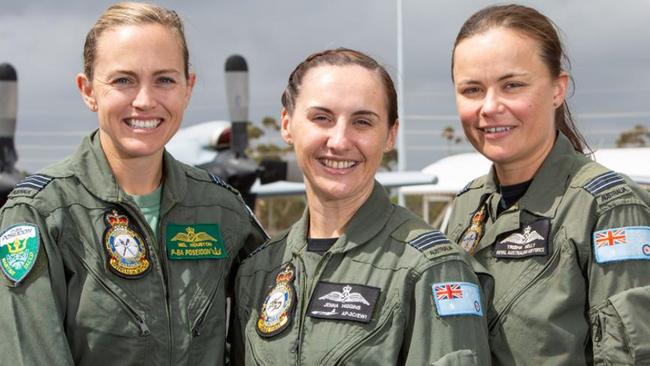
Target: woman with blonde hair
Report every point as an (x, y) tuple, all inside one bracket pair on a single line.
[(120, 254)]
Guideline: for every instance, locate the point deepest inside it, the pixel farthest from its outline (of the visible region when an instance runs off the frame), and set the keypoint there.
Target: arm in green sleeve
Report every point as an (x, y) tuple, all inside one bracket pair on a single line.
[(443, 339), (33, 310), (619, 289)]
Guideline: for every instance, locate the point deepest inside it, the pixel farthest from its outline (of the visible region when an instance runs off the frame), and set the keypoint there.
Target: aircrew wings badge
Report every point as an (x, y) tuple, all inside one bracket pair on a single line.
[(18, 251), (275, 313), (126, 251), (457, 298), (622, 243)]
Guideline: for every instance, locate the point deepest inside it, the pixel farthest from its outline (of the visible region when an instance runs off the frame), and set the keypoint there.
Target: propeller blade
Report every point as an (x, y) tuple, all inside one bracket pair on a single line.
[(237, 94), (8, 111)]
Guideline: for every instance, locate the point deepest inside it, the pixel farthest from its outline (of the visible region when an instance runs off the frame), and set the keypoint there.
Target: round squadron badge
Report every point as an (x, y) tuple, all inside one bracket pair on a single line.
[(473, 234), (275, 314), (127, 254)]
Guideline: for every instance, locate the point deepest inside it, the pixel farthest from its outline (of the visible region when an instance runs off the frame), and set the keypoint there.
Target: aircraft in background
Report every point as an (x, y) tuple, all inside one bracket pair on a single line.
[(455, 171), (9, 175), (219, 147)]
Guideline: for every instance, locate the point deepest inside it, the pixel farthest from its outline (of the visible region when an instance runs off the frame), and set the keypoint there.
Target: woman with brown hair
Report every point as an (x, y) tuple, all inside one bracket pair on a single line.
[(566, 239), (357, 280)]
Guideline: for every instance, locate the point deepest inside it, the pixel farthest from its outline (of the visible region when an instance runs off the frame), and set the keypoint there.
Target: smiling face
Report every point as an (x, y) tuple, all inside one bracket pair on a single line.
[(339, 129), (506, 100), (139, 90)]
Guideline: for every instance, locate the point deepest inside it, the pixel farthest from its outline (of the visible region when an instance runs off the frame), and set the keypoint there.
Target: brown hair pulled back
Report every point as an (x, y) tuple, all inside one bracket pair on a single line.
[(537, 26), (131, 13), (340, 57)]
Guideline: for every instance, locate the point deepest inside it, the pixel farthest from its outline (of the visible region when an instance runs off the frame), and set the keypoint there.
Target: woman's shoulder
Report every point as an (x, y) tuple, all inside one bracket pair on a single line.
[(606, 187), (424, 242), (266, 256)]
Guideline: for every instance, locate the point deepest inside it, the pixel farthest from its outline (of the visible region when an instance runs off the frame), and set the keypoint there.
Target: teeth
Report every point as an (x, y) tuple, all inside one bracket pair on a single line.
[(144, 124), (497, 129), (338, 164)]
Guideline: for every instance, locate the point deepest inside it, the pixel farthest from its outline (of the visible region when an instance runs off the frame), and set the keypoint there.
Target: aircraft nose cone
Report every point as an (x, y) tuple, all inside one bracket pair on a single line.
[(7, 72)]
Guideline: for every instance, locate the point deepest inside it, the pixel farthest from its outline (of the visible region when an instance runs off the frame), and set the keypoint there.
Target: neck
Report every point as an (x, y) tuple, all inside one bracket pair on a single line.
[(136, 175), (328, 217), (519, 172)]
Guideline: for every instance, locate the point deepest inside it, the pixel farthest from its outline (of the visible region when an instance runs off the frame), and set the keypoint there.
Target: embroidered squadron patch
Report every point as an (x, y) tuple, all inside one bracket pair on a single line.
[(621, 244), (457, 298), (470, 239), (531, 240), (199, 241), (275, 314), (127, 252), (18, 251), (343, 301)]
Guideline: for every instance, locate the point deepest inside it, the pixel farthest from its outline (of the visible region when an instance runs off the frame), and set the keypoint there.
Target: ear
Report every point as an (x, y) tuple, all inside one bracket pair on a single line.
[(191, 80), (285, 126), (85, 86), (392, 137), (561, 84)]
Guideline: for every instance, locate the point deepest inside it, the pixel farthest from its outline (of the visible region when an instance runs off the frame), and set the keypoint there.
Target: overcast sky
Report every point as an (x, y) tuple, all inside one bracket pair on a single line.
[(608, 43)]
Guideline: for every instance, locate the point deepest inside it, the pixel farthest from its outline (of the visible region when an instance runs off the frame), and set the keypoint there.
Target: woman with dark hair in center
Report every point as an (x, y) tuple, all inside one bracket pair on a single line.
[(357, 280)]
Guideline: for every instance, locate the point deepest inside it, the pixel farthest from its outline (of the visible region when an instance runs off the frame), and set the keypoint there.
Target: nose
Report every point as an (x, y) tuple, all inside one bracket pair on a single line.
[(338, 139), (144, 99), (491, 104)]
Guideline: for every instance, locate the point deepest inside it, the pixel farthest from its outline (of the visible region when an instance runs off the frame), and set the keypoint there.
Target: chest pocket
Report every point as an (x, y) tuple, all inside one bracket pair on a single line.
[(367, 344), (338, 341)]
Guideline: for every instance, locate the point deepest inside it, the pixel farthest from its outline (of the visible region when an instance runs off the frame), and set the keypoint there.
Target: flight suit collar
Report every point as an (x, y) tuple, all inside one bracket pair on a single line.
[(365, 224), (542, 197), (546, 190), (91, 167)]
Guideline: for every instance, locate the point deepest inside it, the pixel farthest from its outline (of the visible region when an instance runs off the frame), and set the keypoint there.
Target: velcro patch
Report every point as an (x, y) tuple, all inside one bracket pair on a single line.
[(19, 245), (603, 182), (196, 241), (621, 244), (343, 301), (457, 298), (428, 240), (31, 185), (531, 240)]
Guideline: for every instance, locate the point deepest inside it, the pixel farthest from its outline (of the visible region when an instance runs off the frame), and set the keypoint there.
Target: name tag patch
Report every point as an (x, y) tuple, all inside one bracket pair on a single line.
[(621, 244), (457, 298), (531, 240), (343, 301), (198, 241)]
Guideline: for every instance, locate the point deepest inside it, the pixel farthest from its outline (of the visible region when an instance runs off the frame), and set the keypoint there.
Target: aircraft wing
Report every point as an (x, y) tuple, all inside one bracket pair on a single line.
[(455, 171), (194, 145), (386, 179)]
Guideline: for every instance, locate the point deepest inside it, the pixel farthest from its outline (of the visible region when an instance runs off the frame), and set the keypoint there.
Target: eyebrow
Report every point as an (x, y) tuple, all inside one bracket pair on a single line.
[(357, 113), (159, 72), (504, 77)]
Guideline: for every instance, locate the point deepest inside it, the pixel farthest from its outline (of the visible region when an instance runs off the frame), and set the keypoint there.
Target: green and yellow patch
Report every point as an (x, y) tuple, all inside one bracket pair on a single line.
[(199, 241), (18, 251)]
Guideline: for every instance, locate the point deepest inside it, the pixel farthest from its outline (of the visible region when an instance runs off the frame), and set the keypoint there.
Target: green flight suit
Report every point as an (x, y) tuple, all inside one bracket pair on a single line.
[(384, 252), (557, 300), (72, 308)]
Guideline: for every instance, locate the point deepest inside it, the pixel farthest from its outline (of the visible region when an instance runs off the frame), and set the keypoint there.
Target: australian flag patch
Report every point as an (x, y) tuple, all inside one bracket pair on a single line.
[(457, 298), (621, 244)]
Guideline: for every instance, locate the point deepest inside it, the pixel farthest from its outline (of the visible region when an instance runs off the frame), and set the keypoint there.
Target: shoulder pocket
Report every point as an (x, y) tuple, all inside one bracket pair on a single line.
[(621, 328)]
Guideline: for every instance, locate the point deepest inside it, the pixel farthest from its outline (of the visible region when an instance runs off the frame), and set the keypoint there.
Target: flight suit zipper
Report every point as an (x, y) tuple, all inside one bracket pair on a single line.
[(356, 343), (549, 267), (322, 264), (150, 238), (136, 315), (196, 327)]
